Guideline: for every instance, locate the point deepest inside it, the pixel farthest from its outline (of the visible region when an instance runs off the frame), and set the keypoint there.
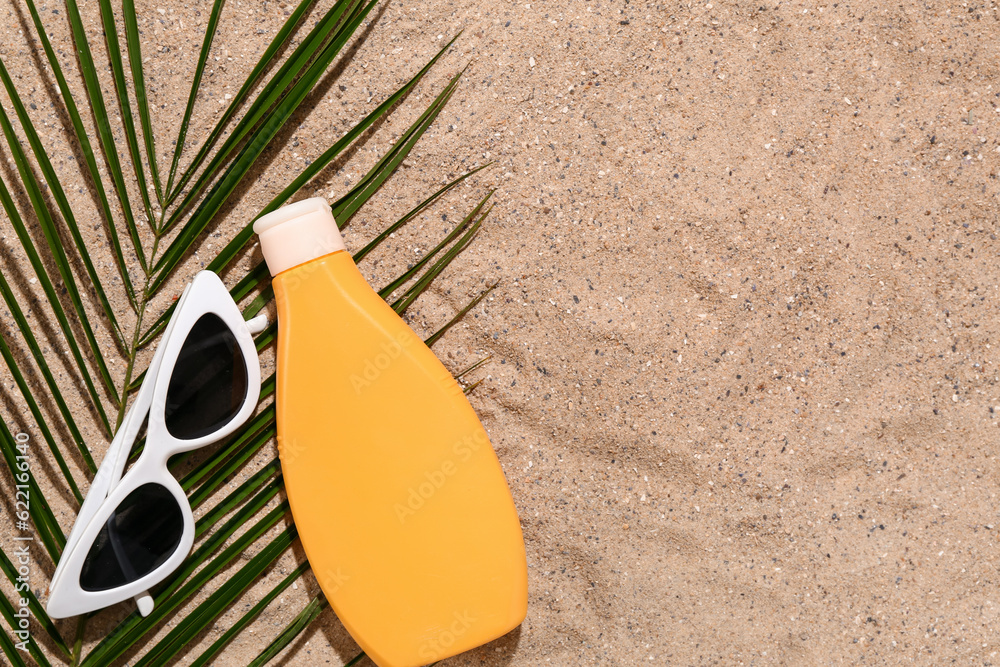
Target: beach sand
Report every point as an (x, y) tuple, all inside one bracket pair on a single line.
[(743, 375)]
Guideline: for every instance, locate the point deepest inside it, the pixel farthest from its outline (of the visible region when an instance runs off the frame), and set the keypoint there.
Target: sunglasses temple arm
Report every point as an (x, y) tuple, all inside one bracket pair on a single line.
[(144, 601), (257, 324)]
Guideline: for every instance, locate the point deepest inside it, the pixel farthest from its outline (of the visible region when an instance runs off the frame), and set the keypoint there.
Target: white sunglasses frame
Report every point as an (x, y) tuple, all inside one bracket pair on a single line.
[(206, 294)]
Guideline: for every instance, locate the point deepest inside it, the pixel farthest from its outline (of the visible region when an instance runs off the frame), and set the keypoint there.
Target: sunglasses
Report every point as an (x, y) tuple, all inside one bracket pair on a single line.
[(133, 531)]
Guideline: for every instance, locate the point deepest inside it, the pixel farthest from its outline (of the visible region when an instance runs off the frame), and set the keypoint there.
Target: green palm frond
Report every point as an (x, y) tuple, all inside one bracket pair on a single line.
[(250, 616), (124, 104), (68, 345), (294, 629), (96, 98), (86, 149)]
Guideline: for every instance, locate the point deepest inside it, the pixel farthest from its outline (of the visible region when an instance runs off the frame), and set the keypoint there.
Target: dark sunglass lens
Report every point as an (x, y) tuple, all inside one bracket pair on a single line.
[(208, 383), (139, 536)]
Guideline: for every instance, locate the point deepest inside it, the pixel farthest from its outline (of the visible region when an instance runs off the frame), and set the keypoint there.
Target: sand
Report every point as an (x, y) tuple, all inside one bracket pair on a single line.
[(743, 376)]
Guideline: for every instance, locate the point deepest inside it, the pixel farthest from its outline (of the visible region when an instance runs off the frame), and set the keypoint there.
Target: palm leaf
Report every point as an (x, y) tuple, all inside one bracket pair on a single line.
[(42, 275), (352, 201), (239, 241), (234, 517), (83, 143), (294, 629), (8, 613), (8, 648), (56, 251), (405, 277), (242, 454), (96, 98), (255, 145), (458, 317), (38, 507), (266, 59), (139, 81), (236, 442), (124, 106), (279, 86), (248, 618), (346, 206), (221, 599), (36, 353), (420, 208), (237, 497), (34, 605), (461, 374), (40, 420), (199, 71), (167, 601), (63, 203), (420, 286)]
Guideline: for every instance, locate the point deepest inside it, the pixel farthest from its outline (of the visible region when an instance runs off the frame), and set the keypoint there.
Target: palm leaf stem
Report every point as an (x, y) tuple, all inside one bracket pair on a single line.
[(122, 408), (136, 338), (81, 627)]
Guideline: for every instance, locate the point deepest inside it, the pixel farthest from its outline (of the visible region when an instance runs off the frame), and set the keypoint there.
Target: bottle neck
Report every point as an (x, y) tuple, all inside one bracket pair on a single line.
[(298, 233)]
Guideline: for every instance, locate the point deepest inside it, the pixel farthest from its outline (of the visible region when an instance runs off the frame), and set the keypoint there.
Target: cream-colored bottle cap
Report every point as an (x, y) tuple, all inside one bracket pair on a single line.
[(297, 233)]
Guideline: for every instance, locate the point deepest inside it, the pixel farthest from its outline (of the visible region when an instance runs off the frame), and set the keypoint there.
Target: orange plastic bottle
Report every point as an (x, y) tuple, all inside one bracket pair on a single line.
[(400, 502)]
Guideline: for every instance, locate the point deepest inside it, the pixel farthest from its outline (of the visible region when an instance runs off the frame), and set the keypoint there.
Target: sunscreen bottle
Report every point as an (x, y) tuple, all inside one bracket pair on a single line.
[(400, 502)]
